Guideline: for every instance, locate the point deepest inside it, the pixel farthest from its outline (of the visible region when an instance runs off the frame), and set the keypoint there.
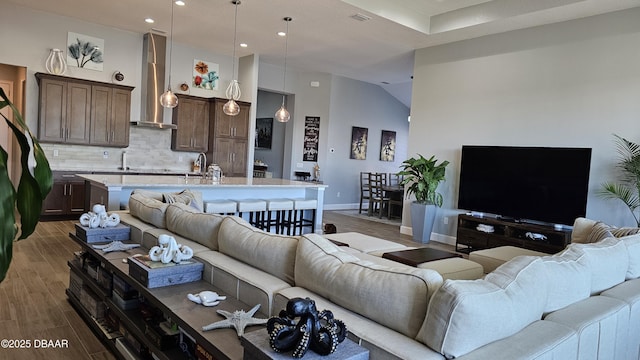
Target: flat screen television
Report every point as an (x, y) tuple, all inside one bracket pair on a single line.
[(538, 184)]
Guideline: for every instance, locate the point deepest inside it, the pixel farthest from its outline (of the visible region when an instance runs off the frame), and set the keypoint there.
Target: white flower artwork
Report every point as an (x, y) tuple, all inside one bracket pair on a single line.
[(85, 51)]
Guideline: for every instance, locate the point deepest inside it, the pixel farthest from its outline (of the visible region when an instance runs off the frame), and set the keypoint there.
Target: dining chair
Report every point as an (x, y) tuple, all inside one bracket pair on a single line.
[(377, 200), (365, 192), (395, 179)]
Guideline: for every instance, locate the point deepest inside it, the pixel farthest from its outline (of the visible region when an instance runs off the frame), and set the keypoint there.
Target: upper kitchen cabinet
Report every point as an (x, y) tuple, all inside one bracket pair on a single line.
[(76, 111), (110, 115), (231, 126), (191, 117)]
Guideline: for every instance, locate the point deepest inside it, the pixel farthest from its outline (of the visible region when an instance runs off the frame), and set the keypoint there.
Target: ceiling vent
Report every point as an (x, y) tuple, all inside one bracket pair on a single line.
[(361, 17)]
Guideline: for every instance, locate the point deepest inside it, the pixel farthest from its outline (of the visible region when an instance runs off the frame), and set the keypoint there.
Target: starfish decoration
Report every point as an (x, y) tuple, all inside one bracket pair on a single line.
[(116, 246), (238, 319)]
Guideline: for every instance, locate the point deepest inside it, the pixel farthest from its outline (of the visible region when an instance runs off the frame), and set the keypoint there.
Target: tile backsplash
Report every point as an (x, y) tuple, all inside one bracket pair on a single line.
[(149, 149)]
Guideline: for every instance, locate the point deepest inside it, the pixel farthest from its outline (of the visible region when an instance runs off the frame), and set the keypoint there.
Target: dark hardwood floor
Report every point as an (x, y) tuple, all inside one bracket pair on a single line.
[(34, 306)]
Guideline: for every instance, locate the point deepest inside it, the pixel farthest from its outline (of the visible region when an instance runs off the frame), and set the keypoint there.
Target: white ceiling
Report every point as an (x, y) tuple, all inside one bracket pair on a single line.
[(323, 36)]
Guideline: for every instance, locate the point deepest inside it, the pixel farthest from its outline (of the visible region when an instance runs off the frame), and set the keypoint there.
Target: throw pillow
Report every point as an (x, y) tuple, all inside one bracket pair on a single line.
[(599, 232), (184, 197)]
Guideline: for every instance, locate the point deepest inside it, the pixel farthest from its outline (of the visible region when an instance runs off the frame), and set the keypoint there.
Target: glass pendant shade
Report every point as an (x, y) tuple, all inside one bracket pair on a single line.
[(233, 93), (231, 108), (282, 115), (168, 99), (56, 63)]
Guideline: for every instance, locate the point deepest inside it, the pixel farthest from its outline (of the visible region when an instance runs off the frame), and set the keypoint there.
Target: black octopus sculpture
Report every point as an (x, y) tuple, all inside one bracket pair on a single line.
[(317, 331)]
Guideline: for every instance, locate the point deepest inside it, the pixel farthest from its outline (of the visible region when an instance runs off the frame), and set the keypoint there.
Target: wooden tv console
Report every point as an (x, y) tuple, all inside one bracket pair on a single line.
[(471, 238)]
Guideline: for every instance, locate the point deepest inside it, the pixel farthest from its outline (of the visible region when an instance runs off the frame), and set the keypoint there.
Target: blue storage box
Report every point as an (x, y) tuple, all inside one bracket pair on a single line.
[(119, 232), (153, 274)]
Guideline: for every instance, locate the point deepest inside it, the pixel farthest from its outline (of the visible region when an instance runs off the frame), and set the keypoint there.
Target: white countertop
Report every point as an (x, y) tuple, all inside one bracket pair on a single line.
[(181, 180)]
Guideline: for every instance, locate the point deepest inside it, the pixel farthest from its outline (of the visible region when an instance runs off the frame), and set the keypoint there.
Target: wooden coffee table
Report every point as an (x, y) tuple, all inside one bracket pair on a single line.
[(415, 257)]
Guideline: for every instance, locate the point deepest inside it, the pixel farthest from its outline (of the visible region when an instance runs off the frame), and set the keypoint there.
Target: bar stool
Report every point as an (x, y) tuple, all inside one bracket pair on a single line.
[(299, 221), (283, 208), (223, 207), (255, 207)]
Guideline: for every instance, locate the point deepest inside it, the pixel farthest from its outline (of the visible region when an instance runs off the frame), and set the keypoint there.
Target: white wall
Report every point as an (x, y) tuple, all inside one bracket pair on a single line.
[(354, 103), (568, 84)]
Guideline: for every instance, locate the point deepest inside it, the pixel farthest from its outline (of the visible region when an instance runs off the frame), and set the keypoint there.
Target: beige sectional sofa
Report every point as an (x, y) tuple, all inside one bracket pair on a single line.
[(583, 303)]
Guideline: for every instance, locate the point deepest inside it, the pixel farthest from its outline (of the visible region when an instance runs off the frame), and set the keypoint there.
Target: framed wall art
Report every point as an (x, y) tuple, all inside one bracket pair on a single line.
[(359, 143), (264, 133), (311, 138), (85, 51), (205, 75), (388, 145)]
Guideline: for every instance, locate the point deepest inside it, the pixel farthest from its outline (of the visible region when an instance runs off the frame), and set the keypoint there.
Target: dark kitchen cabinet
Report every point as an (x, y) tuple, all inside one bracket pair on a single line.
[(76, 111), (228, 145), (67, 197), (191, 117), (110, 115)]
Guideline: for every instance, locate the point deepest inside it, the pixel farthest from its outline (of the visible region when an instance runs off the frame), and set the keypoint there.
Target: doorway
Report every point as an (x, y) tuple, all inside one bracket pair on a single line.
[(271, 135), (12, 81)]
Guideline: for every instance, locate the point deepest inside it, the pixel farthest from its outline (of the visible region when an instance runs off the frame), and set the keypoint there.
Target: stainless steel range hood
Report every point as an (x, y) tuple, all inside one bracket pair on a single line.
[(153, 69)]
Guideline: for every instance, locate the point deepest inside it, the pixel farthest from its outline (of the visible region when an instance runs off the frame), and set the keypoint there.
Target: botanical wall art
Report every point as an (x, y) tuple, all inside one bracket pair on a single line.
[(205, 75), (264, 131), (311, 138), (359, 143), (388, 145), (85, 51)]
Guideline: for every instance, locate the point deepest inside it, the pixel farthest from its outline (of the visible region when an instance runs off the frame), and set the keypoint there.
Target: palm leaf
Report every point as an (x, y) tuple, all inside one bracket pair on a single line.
[(36, 181)]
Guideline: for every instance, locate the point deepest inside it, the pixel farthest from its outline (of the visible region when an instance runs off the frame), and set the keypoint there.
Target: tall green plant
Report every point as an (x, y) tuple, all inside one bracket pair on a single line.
[(628, 189), (35, 183), (423, 176)]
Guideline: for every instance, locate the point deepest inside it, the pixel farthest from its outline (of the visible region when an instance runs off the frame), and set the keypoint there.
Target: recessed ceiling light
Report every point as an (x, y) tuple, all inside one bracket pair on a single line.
[(149, 20), (282, 33), (180, 3), (243, 45)]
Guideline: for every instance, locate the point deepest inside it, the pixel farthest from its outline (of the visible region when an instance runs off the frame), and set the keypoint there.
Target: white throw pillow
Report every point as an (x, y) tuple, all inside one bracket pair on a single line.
[(608, 261), (569, 279)]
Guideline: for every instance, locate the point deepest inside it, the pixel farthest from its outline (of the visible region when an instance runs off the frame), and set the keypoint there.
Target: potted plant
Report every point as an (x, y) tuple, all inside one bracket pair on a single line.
[(628, 189), (35, 183), (423, 177)]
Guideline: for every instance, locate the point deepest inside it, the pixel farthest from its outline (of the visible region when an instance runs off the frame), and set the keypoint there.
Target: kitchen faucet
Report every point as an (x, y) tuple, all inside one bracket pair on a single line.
[(203, 164)]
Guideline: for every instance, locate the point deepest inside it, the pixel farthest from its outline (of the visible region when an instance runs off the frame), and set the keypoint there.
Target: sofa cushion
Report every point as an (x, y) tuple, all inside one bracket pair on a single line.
[(581, 229), (243, 281), (275, 254), (607, 260), (602, 325), (186, 221), (632, 242), (396, 297), (568, 280), (148, 210), (186, 196), (540, 340), (464, 315)]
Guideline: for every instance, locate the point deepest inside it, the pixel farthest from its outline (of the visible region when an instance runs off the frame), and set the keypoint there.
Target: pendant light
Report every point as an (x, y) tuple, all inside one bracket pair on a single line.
[(168, 99), (231, 107), (282, 115)]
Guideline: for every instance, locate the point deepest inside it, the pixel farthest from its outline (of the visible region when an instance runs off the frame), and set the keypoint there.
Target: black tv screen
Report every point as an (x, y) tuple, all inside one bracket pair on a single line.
[(543, 184)]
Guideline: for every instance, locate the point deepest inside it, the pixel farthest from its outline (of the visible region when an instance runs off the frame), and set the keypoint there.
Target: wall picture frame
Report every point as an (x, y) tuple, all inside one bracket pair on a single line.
[(85, 51), (388, 145), (311, 138), (359, 137), (264, 133), (205, 75)]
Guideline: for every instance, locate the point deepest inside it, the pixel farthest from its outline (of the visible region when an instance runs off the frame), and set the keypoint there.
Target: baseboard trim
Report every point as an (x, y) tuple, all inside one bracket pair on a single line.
[(441, 238)]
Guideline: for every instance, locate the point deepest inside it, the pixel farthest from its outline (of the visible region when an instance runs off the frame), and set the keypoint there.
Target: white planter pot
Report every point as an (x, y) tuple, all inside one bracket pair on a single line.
[(422, 218)]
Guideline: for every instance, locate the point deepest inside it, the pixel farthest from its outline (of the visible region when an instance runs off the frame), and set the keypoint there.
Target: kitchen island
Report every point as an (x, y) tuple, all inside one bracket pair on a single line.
[(114, 190)]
